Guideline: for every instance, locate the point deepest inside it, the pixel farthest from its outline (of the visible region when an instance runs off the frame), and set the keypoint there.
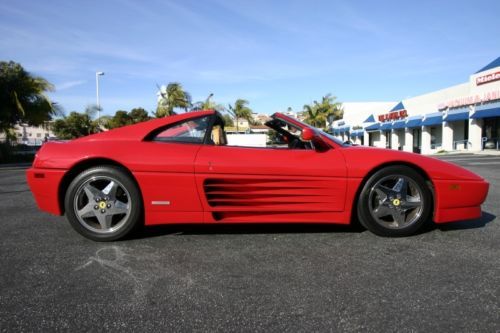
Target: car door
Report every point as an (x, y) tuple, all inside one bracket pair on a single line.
[(245, 184), (164, 168)]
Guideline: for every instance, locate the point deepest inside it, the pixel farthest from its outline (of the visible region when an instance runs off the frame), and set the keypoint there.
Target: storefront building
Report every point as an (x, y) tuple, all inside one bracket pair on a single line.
[(461, 117)]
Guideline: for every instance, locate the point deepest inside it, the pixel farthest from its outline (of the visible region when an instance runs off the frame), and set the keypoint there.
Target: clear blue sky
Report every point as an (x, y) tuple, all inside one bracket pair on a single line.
[(274, 53)]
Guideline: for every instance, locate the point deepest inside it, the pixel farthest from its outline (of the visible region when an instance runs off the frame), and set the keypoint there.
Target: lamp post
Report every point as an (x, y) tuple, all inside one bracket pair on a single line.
[(208, 99), (97, 74)]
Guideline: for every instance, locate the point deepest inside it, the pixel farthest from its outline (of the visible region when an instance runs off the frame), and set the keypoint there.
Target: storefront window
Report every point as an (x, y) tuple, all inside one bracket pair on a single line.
[(491, 131), (436, 137), (373, 137)]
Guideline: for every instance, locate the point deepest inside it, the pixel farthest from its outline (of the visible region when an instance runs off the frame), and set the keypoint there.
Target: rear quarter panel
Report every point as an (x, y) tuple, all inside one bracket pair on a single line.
[(163, 171)]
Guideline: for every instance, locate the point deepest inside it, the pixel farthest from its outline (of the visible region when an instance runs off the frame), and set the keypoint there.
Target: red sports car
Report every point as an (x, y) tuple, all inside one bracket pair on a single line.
[(180, 169)]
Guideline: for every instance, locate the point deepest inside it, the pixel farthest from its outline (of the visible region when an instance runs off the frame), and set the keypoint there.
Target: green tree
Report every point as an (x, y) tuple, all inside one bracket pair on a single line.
[(207, 104), (75, 125), (313, 116), (124, 118), (241, 110), (228, 121), (321, 114), (121, 118), (170, 97), (138, 115), (104, 121), (22, 97)]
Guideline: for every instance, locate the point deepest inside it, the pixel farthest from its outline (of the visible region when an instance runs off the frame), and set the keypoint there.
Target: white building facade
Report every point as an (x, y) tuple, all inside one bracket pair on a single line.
[(461, 117), (31, 135)]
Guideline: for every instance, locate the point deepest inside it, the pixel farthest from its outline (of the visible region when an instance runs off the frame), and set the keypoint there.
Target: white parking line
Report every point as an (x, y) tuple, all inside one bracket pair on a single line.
[(484, 163), (471, 159)]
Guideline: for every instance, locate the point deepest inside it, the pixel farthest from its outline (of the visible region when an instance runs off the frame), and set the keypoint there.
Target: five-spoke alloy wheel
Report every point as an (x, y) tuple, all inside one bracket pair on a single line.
[(395, 201), (103, 203)]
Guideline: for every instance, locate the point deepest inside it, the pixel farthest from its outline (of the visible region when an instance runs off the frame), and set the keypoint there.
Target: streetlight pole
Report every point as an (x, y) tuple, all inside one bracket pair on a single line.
[(208, 100), (97, 74)]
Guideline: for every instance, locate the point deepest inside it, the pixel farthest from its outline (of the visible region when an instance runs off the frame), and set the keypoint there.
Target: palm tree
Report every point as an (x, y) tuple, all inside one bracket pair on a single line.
[(170, 97), (323, 113), (241, 110), (314, 117), (331, 108), (207, 104), (22, 97)]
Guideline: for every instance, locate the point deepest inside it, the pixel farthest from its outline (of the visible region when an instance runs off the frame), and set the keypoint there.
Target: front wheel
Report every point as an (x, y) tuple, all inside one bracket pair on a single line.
[(103, 203), (395, 201)]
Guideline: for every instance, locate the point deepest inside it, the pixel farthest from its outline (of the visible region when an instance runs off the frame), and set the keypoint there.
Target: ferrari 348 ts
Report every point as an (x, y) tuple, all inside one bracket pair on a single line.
[(180, 169)]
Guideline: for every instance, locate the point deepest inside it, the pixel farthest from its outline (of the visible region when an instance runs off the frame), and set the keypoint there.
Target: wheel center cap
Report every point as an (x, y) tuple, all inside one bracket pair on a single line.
[(102, 205), (396, 202)]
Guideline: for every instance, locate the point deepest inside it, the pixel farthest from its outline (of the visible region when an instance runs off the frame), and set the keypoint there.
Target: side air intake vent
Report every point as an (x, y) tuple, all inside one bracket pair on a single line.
[(264, 192)]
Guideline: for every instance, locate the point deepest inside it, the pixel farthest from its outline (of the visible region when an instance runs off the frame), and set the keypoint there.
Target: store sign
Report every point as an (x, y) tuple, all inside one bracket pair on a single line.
[(470, 100), (487, 78), (393, 115)]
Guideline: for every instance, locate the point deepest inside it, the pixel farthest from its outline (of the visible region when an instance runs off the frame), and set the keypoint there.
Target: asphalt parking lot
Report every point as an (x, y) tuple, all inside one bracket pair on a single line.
[(249, 278)]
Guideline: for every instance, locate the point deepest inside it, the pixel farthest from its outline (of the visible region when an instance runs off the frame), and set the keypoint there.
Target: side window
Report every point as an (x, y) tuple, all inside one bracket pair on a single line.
[(188, 131)]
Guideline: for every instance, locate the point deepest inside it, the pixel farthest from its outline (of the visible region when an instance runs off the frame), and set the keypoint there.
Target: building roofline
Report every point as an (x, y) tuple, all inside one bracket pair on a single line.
[(495, 63)]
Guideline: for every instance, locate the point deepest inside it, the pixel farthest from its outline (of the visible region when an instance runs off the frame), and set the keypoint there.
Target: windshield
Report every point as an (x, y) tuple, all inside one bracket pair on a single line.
[(334, 139), (302, 124)]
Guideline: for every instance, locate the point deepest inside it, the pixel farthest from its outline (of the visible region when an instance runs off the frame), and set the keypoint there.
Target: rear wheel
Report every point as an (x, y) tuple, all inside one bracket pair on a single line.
[(103, 203), (395, 201)]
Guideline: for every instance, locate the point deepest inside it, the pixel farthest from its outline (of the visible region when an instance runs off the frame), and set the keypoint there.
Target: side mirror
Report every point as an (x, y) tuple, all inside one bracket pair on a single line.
[(307, 134)]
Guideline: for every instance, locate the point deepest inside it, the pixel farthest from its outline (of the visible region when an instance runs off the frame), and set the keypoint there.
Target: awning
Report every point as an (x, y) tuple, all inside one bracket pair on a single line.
[(432, 119), (399, 124), (486, 113), (415, 121), (340, 130), (457, 114), (357, 133), (386, 126), (373, 127)]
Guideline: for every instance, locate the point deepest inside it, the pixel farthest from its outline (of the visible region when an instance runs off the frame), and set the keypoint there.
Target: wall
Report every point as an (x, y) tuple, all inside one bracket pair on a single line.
[(247, 140), (357, 112)]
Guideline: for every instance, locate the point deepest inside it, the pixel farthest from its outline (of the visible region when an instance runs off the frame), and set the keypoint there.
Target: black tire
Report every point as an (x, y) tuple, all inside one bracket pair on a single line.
[(103, 204), (385, 209)]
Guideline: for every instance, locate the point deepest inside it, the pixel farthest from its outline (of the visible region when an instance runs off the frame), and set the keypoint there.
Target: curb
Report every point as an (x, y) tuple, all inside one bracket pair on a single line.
[(464, 153), (15, 166)]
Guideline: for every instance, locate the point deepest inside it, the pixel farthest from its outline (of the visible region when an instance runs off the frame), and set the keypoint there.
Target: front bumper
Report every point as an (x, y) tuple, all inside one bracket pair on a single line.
[(44, 184), (458, 200)]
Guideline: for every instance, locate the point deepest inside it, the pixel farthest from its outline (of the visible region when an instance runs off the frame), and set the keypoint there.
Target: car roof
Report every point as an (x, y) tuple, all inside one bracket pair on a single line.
[(139, 131)]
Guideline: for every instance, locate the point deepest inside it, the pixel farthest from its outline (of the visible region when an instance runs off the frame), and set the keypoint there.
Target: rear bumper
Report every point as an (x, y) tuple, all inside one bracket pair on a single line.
[(44, 184), (458, 200)]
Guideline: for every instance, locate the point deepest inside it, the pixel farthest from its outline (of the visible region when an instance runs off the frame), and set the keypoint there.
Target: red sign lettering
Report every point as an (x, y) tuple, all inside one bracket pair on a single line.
[(393, 116), (488, 78)]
